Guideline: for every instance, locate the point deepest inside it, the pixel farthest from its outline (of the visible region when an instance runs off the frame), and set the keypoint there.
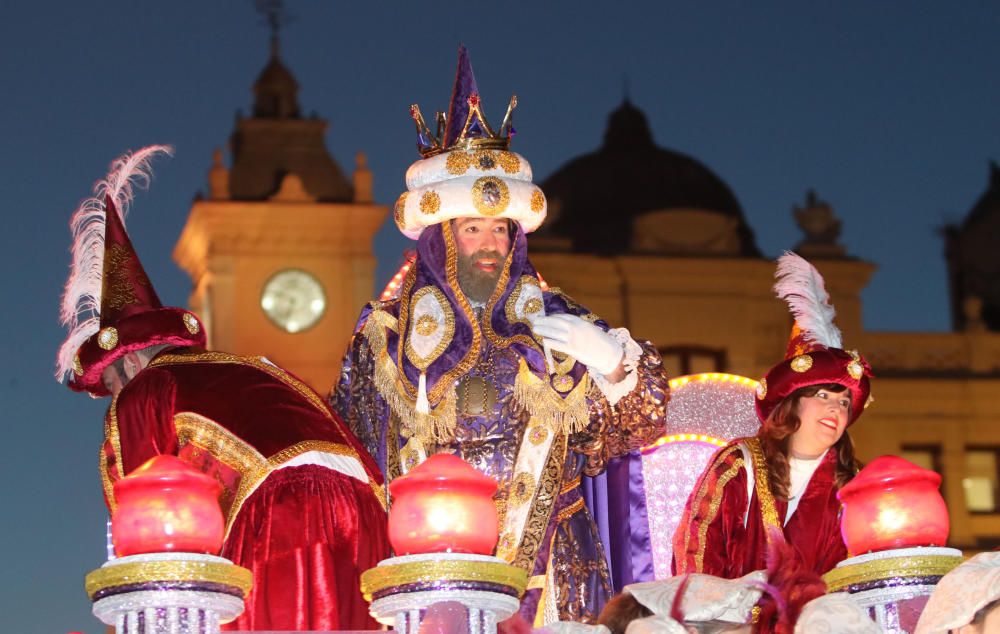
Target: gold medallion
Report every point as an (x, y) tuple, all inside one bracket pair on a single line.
[(458, 162), (490, 195), (562, 383), (191, 323), (855, 369), (430, 203), (522, 489), (108, 338), (802, 363), (537, 201), (426, 325), (537, 434)]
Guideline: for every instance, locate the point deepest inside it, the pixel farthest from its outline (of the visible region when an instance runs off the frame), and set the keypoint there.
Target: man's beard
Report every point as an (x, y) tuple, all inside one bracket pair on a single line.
[(477, 284)]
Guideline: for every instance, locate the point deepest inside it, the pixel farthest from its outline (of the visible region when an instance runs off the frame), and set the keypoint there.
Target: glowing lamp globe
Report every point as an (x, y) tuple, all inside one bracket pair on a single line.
[(893, 503), (167, 506), (443, 505)]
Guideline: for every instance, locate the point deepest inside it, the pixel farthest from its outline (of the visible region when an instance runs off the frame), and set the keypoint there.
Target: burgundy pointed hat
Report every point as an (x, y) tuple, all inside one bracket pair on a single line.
[(109, 306), (815, 355)]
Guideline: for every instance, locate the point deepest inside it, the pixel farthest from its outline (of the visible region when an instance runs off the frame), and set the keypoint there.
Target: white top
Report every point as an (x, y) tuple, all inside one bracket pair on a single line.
[(800, 471)]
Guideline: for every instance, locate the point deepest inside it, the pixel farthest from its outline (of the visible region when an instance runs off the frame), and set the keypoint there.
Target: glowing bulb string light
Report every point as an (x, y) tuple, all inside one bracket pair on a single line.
[(672, 438), (392, 288), (541, 282), (712, 377)]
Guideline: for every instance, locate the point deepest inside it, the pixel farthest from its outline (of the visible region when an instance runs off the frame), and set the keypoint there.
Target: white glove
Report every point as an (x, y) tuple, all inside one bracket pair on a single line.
[(581, 340)]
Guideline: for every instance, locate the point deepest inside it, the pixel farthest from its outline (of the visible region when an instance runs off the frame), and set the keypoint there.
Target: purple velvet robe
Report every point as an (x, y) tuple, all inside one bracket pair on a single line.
[(489, 439)]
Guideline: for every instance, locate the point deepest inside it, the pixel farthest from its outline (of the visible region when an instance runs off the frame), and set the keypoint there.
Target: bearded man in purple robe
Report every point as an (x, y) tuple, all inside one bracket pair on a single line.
[(474, 356)]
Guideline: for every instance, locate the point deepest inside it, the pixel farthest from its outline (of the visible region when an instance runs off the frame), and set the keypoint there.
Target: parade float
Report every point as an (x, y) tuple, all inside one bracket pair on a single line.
[(165, 576)]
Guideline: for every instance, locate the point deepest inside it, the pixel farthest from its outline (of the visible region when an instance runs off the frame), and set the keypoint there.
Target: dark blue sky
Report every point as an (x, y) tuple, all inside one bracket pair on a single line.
[(889, 110)]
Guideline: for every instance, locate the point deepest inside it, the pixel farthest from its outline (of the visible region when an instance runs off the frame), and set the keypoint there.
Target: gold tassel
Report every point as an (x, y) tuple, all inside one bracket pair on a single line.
[(437, 425), (562, 415)]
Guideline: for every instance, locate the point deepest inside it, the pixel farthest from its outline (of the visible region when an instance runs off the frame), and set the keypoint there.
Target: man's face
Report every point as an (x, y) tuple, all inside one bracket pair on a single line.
[(117, 375), (483, 245)]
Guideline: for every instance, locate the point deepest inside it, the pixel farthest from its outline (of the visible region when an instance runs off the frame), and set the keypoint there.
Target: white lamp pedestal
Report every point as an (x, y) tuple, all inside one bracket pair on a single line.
[(402, 588), (168, 593), (893, 585)]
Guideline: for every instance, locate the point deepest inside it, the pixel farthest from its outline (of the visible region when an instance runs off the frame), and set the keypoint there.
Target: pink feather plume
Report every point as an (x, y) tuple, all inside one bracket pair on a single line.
[(801, 285), (80, 310)]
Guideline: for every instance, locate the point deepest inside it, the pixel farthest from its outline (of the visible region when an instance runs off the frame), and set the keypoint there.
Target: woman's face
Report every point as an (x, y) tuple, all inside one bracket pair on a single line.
[(823, 417)]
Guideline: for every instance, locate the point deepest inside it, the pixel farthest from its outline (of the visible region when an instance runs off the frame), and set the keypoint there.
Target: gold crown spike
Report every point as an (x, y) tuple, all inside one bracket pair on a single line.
[(442, 123), (427, 143), (505, 127), (486, 138)]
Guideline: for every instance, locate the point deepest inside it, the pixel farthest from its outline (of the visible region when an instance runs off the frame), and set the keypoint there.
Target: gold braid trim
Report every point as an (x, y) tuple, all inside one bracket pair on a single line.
[(112, 434), (252, 466), (193, 428), (229, 449), (696, 505), (226, 574), (495, 339), (713, 509), (109, 489), (547, 600), (562, 415), (446, 383), (763, 486), (920, 566), (541, 507), (390, 575), (401, 327), (568, 512), (569, 486), (393, 467)]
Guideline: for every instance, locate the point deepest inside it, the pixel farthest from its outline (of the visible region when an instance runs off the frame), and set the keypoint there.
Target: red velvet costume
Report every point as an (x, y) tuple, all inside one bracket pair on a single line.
[(302, 498), (711, 537)]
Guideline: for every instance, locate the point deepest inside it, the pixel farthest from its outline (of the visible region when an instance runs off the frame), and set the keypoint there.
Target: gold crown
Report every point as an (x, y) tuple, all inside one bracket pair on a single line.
[(475, 134)]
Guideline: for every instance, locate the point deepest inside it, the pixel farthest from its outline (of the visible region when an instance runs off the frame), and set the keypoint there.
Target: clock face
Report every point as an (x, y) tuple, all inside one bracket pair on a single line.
[(293, 299)]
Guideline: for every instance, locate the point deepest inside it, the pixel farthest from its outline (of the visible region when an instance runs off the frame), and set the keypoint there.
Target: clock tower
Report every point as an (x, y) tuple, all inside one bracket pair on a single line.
[(280, 251)]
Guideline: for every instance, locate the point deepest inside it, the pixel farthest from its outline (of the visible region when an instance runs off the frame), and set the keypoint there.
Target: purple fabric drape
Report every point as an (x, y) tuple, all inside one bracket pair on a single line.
[(617, 501)]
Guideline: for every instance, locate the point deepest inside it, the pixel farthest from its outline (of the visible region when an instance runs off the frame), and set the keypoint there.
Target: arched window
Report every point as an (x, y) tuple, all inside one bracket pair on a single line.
[(681, 360)]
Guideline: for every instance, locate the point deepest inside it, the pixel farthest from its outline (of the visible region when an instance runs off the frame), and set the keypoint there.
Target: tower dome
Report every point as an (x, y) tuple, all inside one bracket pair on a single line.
[(973, 261), (633, 196)]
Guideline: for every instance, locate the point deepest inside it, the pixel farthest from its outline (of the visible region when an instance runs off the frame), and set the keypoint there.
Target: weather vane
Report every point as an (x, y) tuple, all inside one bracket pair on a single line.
[(274, 13)]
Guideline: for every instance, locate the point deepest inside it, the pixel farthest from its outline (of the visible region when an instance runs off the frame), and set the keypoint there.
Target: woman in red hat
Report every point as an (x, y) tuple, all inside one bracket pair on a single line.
[(784, 480)]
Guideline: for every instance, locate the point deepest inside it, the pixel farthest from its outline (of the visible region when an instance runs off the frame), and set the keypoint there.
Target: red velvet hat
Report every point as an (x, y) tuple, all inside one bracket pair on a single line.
[(106, 272), (814, 355)]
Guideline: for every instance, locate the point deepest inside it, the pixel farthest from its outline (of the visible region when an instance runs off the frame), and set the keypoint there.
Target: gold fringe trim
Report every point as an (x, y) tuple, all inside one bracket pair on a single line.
[(561, 415), (437, 427)]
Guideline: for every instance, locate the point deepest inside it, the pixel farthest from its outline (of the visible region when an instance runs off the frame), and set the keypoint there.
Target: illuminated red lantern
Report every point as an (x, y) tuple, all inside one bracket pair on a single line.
[(167, 506), (443, 505), (893, 503)]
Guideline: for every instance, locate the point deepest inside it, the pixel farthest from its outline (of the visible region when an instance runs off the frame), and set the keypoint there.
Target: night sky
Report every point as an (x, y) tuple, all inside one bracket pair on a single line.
[(888, 110)]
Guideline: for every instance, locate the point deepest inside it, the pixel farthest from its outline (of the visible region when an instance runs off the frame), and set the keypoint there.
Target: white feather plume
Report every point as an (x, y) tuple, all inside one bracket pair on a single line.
[(801, 285), (80, 311)]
